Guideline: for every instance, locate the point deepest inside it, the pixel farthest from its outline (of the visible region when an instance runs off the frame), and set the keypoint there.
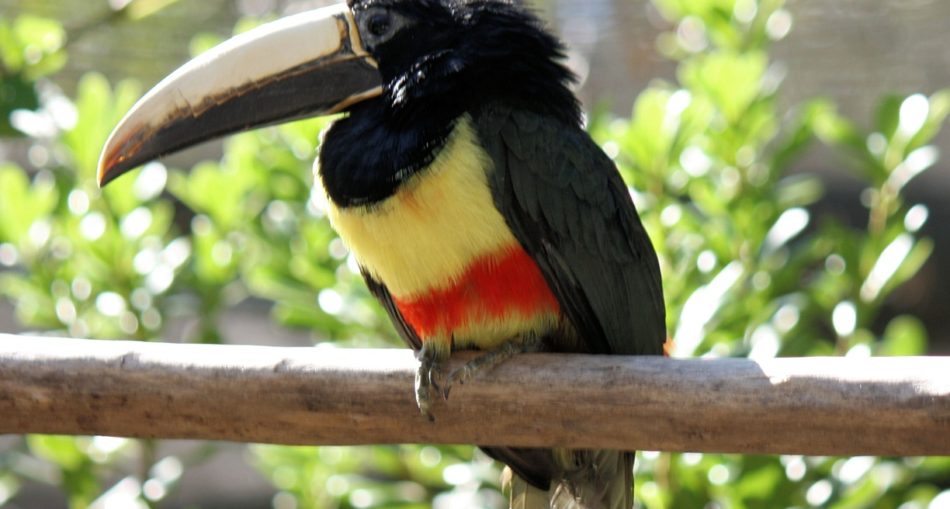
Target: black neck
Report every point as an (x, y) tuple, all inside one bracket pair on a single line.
[(367, 155), (370, 153)]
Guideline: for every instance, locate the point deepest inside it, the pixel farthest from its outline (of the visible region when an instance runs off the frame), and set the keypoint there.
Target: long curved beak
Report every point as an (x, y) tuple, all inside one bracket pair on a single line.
[(304, 65)]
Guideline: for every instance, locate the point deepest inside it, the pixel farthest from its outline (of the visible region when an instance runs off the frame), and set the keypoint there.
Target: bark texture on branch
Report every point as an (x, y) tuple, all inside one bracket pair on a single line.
[(818, 406)]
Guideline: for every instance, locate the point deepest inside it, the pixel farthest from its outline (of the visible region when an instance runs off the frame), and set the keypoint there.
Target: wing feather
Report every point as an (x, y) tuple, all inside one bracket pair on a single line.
[(565, 202), (379, 290)]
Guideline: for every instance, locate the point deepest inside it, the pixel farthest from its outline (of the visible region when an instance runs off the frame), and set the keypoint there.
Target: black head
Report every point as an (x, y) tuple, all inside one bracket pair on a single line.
[(459, 53)]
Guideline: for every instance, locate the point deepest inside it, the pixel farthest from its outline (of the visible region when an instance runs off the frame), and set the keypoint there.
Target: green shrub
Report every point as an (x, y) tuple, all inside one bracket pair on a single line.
[(750, 270)]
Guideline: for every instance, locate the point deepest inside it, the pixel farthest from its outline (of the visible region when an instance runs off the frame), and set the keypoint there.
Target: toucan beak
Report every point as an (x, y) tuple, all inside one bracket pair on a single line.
[(304, 65)]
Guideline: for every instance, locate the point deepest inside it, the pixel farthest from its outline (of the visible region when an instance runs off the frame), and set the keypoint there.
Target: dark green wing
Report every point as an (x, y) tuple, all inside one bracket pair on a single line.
[(566, 203), (379, 290)]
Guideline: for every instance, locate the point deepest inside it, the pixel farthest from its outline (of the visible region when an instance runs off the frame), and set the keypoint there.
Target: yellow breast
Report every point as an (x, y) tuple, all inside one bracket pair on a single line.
[(427, 234)]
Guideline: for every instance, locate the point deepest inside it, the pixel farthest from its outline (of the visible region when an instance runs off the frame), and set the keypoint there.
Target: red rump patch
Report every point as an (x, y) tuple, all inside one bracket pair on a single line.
[(496, 285)]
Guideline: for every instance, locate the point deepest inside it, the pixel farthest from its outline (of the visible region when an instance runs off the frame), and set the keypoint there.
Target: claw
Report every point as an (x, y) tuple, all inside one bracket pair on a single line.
[(430, 363), (434, 377), (429, 366), (422, 392), (446, 388), (490, 360)]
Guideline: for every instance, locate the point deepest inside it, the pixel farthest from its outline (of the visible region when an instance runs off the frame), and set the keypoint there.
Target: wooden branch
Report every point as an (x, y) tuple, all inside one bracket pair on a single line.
[(821, 406)]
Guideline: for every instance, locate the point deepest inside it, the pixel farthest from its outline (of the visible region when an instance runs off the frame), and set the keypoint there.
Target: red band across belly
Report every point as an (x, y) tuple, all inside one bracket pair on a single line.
[(501, 284)]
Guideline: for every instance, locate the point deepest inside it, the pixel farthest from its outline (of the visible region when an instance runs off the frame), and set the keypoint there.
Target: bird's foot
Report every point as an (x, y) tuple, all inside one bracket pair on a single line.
[(430, 365), (490, 360)]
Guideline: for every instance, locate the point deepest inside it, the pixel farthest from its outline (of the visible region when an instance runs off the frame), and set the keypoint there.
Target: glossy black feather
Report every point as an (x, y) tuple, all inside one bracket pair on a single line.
[(565, 202)]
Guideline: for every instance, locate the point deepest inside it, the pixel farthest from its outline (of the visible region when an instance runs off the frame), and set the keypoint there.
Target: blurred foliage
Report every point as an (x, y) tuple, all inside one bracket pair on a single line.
[(748, 270), (30, 48)]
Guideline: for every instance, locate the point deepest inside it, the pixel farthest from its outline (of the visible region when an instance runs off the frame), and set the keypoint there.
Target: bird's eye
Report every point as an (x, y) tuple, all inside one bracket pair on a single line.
[(379, 24)]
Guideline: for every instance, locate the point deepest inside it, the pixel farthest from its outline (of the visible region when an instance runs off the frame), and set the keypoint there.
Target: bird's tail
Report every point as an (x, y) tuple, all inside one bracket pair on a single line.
[(594, 480)]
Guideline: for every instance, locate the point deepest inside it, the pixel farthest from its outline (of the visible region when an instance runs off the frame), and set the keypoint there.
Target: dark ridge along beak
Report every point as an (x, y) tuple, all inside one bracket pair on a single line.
[(305, 65)]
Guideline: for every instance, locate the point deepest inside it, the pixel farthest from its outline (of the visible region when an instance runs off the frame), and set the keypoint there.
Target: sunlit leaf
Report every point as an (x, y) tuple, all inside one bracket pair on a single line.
[(22, 205), (43, 38), (939, 110), (11, 48), (730, 80), (61, 450), (905, 335)]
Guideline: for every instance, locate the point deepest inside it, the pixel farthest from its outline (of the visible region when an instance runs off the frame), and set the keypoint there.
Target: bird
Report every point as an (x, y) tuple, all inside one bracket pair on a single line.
[(480, 212)]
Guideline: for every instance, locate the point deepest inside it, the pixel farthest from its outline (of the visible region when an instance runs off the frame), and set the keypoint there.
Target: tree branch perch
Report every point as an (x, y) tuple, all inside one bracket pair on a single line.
[(817, 406)]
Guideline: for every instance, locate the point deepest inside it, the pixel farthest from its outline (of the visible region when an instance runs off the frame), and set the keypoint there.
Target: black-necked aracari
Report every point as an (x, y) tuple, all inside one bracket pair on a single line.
[(481, 213)]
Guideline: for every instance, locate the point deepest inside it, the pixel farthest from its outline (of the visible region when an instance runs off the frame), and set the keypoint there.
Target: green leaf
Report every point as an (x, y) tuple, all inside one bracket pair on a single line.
[(798, 191), (22, 205), (61, 450), (905, 335), (731, 80), (44, 34), (11, 48), (16, 93), (44, 39), (219, 191), (652, 129), (911, 265), (888, 115), (939, 110)]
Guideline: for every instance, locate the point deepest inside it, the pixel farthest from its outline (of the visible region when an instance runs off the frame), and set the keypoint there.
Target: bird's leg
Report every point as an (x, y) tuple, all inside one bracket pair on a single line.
[(527, 343), (430, 358)]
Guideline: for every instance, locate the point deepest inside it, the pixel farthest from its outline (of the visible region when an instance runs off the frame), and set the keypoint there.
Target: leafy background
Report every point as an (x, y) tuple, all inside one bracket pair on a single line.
[(752, 265)]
